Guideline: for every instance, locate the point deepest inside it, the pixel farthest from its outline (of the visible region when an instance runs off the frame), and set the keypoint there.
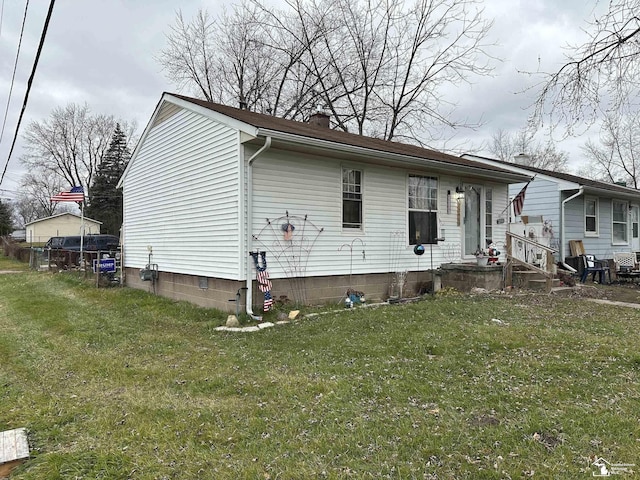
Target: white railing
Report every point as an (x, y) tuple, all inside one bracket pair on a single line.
[(530, 254)]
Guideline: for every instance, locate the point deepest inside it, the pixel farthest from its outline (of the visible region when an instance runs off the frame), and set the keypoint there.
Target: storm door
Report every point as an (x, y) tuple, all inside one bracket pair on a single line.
[(472, 224)]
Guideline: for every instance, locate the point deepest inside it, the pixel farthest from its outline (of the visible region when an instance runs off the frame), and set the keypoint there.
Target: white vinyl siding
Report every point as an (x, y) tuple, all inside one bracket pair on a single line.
[(181, 198), (310, 186)]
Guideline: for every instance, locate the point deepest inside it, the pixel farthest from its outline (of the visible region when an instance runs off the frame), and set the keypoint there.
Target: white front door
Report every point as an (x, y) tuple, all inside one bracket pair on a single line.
[(635, 234)]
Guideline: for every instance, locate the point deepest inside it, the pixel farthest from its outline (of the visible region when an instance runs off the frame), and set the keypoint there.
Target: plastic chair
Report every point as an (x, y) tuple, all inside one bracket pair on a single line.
[(593, 266), (626, 266)]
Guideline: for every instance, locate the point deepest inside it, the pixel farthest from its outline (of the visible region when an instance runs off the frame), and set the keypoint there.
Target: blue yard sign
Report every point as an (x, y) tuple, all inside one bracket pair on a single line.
[(107, 265)]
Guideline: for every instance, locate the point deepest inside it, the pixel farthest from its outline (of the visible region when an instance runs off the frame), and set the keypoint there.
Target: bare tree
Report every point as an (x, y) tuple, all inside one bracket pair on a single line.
[(617, 157), (437, 43), (379, 66), (602, 74), (522, 148), (69, 144), (190, 55), (34, 200)]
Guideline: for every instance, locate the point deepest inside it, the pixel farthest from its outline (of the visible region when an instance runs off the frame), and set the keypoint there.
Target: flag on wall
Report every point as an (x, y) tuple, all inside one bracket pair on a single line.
[(76, 194), (518, 201)]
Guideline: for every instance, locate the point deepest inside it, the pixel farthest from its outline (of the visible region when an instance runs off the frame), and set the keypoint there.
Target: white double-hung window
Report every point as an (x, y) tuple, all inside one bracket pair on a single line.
[(423, 209), (619, 223), (351, 198), (591, 217)]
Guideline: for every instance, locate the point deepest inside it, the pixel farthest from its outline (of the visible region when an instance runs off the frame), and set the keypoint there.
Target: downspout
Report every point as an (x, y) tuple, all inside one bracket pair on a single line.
[(562, 242), (249, 224)]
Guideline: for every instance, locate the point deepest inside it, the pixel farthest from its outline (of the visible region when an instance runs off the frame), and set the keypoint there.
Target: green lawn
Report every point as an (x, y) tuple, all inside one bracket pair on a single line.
[(116, 383)]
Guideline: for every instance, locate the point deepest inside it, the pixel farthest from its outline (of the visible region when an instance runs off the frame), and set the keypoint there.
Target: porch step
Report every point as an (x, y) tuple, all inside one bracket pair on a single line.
[(529, 280), (537, 284)]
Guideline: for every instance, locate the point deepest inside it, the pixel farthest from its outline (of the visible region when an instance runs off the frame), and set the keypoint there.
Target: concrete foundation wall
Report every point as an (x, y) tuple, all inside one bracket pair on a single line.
[(464, 277), (310, 291)]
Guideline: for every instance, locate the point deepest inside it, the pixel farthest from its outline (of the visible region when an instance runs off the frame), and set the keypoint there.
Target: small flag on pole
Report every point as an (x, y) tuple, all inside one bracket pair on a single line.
[(518, 201), (76, 194)]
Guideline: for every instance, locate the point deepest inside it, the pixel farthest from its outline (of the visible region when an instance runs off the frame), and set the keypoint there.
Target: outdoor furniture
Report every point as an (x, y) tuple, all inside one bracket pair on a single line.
[(626, 266), (591, 265)]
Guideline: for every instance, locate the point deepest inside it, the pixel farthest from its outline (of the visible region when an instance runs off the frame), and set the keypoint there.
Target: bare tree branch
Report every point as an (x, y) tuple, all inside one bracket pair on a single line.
[(616, 158), (522, 148), (600, 76)]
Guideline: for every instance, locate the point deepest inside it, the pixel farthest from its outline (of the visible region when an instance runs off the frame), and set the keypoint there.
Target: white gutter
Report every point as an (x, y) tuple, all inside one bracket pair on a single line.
[(562, 242), (249, 225)]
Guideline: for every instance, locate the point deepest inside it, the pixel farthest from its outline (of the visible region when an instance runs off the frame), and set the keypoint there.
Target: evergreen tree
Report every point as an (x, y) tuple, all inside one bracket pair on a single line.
[(6, 224), (105, 200)]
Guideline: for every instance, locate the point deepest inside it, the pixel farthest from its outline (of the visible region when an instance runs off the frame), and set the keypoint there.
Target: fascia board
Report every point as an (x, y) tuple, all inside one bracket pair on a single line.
[(562, 184), (632, 195), (213, 115), (401, 160)]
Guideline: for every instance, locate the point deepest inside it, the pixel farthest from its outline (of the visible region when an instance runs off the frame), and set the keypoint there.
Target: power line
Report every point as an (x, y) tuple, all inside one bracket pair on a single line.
[(15, 67), (29, 82)]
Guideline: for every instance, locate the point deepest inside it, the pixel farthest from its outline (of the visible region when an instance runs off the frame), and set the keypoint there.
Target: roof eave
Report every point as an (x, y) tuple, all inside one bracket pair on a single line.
[(497, 175), (603, 192)]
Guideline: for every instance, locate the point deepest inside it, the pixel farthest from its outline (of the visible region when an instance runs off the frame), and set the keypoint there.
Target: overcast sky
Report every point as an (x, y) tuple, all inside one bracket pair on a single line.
[(103, 52)]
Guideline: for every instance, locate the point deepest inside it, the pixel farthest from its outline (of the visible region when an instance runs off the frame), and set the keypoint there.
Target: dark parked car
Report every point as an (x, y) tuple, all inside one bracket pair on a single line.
[(90, 243)]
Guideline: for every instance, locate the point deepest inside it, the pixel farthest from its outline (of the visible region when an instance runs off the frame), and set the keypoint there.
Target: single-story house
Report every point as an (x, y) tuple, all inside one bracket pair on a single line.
[(60, 225), (209, 185), (604, 216)]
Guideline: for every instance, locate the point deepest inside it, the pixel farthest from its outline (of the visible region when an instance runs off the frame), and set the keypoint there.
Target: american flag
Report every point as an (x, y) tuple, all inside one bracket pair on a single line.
[(76, 194), (264, 284), (518, 201), (268, 301)]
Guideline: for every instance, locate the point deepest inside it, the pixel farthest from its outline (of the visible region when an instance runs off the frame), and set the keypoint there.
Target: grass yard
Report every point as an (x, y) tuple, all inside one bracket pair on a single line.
[(117, 384)]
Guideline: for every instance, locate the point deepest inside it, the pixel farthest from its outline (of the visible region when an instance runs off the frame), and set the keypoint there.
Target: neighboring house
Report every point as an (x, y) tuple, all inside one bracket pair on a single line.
[(19, 235), (63, 224), (604, 216), (208, 183)]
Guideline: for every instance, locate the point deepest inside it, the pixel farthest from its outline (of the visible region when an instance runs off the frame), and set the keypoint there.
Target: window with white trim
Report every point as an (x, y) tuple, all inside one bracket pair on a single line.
[(591, 216), (423, 209), (619, 225), (351, 198)]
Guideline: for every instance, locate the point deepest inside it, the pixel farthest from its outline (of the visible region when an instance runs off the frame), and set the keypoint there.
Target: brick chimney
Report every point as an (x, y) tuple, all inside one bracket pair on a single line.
[(319, 119)]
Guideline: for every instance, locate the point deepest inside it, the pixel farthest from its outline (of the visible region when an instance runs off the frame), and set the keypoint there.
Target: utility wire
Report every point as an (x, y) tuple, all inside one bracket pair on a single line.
[(15, 67), (29, 82)]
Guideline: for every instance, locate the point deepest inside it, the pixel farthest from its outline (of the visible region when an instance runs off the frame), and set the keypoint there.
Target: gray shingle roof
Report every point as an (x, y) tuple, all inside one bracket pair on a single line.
[(587, 182)]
